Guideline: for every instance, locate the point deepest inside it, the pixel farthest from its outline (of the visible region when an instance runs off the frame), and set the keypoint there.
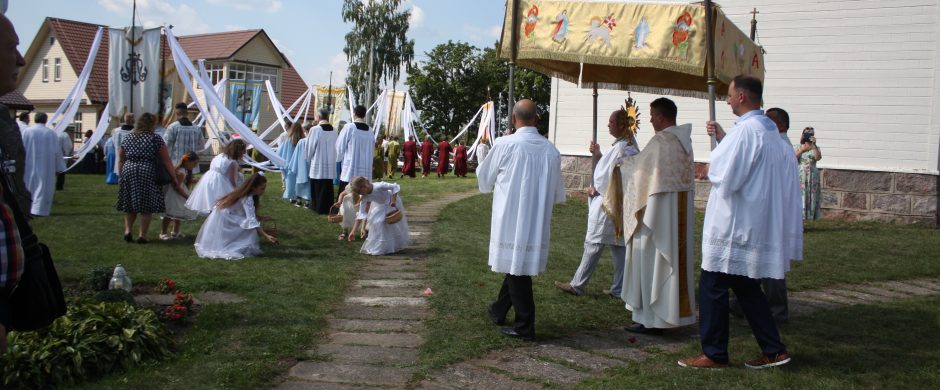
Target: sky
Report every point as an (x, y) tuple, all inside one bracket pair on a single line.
[(310, 32)]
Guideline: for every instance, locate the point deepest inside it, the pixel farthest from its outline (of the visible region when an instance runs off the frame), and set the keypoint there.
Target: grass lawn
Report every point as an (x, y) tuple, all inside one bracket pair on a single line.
[(288, 291), (835, 252)]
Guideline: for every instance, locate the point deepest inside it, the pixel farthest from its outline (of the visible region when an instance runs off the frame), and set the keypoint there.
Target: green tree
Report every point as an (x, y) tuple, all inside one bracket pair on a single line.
[(448, 87), (380, 29), (457, 78)]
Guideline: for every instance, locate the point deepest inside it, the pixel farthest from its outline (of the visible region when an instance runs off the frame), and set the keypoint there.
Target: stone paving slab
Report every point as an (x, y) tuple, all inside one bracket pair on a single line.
[(816, 304), (389, 283), (672, 339), (465, 376), (878, 291), (584, 360), (926, 283), (827, 297), (304, 385), (400, 326), (403, 292), (799, 307), (868, 298), (906, 288), (388, 301), (351, 373), (405, 340), (606, 347), (382, 313), (368, 354), (521, 365), (392, 275), (397, 268)]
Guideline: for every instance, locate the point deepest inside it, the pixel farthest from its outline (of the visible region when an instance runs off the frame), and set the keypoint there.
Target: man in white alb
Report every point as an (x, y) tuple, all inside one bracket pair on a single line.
[(523, 171), (183, 136), (321, 153), (43, 161), (355, 144), (600, 229), (659, 222), (753, 228)]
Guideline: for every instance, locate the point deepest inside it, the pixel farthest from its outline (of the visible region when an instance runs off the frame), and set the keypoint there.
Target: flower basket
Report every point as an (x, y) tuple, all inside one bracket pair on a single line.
[(270, 228), (393, 217), (334, 216)]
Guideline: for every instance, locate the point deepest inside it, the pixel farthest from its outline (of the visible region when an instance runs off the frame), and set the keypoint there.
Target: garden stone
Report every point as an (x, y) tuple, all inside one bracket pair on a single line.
[(351, 373), (368, 354), (376, 325)]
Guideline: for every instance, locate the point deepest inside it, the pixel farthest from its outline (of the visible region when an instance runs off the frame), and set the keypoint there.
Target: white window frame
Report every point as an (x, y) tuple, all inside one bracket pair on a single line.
[(57, 70), (45, 70)]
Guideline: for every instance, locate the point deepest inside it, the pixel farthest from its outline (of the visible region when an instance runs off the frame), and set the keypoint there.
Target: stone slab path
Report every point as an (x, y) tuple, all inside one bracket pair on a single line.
[(373, 336), (564, 362)]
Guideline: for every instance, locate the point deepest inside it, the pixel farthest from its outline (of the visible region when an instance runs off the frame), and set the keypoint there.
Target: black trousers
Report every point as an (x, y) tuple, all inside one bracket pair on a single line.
[(321, 195), (776, 292), (516, 292), (713, 309), (342, 187), (60, 181)]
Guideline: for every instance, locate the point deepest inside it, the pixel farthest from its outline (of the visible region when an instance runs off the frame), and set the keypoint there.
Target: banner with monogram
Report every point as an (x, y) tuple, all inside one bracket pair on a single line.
[(648, 47), (244, 99), (133, 65)]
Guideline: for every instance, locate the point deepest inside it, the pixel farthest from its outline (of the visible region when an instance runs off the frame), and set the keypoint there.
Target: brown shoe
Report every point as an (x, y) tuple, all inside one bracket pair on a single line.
[(701, 361), (768, 361), (566, 287)]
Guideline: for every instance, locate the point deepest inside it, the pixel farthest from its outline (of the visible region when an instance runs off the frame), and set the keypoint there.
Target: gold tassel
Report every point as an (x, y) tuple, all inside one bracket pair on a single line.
[(613, 201)]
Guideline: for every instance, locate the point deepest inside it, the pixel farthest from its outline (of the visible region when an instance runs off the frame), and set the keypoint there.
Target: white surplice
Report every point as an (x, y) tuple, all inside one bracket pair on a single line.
[(753, 224), (43, 160), (321, 152), (230, 233), (658, 278), (523, 171), (66, 145), (182, 138), (117, 137), (356, 146)]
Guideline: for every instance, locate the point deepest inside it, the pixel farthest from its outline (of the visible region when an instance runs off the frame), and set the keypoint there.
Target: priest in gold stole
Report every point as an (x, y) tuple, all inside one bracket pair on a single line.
[(655, 203)]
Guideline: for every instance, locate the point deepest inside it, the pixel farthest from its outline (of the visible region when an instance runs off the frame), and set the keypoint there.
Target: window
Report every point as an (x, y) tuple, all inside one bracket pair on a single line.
[(45, 70), (75, 129), (249, 72), (216, 71), (51, 41), (57, 69)]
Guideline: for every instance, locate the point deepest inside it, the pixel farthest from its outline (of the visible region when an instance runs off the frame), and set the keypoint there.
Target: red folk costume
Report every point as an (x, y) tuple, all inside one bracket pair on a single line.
[(443, 157), (427, 149), (460, 161), (410, 150)]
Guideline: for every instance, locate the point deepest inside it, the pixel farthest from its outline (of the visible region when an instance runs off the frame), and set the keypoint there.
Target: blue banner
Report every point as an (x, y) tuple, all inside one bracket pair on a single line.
[(243, 100)]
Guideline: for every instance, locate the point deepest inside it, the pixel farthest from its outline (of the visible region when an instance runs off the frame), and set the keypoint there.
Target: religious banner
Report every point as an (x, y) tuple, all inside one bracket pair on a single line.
[(650, 47), (244, 99), (332, 98), (133, 70)]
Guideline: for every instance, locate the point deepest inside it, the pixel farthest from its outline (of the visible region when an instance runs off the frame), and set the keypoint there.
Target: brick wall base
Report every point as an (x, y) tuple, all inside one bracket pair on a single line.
[(905, 198)]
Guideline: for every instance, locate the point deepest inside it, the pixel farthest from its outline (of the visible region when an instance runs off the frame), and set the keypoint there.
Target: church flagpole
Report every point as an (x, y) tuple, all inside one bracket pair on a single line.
[(133, 64), (710, 63)]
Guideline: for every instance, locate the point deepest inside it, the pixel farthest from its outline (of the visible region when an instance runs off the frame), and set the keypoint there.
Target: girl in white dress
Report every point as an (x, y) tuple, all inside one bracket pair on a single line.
[(378, 200), (223, 177), (347, 208), (176, 210), (232, 229)]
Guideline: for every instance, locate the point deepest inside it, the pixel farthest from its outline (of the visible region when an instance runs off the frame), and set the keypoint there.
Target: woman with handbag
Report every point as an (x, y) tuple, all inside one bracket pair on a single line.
[(143, 155)]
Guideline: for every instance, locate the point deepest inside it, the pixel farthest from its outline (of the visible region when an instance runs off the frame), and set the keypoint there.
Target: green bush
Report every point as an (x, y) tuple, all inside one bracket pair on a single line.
[(99, 278), (89, 341), (117, 295)]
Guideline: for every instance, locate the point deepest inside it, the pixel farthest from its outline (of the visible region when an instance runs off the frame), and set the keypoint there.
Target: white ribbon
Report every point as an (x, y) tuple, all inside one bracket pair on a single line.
[(96, 137), (66, 111), (464, 130)]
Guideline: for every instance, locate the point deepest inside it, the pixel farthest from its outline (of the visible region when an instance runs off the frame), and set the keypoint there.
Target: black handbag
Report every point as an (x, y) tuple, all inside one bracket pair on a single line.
[(37, 299), (162, 177)]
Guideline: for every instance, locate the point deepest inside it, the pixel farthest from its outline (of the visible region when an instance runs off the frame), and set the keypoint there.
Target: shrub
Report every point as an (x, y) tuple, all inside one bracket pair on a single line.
[(99, 277), (116, 295), (180, 309), (89, 341)]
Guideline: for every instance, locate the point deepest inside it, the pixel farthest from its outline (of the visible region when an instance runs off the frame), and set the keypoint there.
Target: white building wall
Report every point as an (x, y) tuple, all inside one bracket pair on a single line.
[(863, 73)]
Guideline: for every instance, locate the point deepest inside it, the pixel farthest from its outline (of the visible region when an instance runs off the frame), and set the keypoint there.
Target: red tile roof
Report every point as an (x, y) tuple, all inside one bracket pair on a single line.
[(15, 100), (76, 38)]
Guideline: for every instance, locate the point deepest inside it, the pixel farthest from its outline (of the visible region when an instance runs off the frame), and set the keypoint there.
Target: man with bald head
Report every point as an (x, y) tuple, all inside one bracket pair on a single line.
[(523, 171), (117, 136)]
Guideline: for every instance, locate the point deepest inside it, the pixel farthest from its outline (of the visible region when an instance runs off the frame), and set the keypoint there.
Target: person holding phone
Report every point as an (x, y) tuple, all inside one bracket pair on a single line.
[(808, 154)]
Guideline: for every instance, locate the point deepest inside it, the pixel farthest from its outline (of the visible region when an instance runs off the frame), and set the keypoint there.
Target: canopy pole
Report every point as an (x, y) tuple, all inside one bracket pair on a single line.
[(710, 63), (513, 52), (594, 129)]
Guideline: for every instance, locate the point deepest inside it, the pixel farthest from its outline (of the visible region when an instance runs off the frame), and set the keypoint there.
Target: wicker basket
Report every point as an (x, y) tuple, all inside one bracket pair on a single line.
[(393, 217), (334, 216), (270, 229)]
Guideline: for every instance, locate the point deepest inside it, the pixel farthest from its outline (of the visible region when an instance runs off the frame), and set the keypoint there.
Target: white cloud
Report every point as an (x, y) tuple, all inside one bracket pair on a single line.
[(234, 27), (251, 5), (154, 13), (321, 74), (416, 21), (482, 35)]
